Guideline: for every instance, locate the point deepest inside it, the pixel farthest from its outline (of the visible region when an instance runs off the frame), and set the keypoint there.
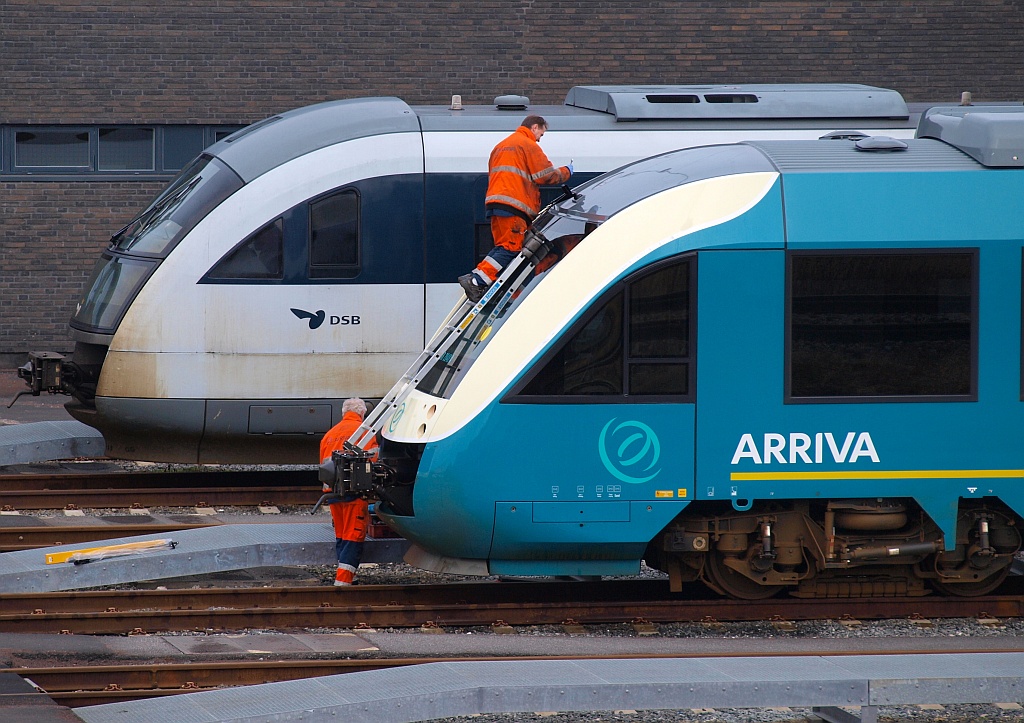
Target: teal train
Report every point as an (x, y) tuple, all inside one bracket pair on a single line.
[(768, 366)]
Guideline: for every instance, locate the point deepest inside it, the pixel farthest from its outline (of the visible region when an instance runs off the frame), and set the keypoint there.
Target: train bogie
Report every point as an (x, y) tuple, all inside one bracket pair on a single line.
[(773, 366)]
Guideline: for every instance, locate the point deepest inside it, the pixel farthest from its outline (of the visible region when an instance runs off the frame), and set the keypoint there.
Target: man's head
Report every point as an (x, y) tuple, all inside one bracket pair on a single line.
[(355, 404), (536, 125)]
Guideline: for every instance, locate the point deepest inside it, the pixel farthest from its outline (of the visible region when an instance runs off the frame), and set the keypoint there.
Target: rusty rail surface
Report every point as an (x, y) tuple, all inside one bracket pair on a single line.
[(158, 489), (13, 539), (157, 480), (452, 605)]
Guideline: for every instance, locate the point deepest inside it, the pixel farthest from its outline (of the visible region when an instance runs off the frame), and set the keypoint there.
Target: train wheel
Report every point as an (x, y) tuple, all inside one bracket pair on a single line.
[(975, 588), (729, 582)]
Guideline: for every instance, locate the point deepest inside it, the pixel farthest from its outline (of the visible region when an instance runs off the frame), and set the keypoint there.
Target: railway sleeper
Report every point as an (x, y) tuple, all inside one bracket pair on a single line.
[(837, 548)]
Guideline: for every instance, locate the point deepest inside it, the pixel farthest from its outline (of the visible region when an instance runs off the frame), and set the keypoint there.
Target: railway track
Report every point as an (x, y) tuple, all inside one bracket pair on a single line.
[(631, 602), (158, 489), (14, 539)]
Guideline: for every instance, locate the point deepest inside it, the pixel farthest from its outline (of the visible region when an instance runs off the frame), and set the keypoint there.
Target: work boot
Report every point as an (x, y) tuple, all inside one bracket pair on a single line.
[(473, 286)]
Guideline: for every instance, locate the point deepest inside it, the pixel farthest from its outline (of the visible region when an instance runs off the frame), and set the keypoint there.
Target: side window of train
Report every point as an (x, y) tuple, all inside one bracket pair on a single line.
[(260, 256), (334, 236), (634, 344), (888, 326)]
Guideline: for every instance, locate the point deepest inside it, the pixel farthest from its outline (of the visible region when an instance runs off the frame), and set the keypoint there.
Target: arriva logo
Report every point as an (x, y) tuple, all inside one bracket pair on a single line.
[(630, 451), (800, 448), (396, 418)]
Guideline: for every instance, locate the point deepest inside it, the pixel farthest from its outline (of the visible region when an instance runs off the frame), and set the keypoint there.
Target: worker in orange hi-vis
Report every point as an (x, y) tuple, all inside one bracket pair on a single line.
[(351, 516), (516, 169)]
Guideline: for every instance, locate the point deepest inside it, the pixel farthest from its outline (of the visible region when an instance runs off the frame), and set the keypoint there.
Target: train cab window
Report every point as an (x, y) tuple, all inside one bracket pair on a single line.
[(890, 325), (334, 236), (260, 256), (634, 344)]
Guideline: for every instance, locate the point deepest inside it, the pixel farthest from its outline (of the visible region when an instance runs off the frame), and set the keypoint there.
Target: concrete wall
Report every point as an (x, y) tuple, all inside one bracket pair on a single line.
[(236, 61)]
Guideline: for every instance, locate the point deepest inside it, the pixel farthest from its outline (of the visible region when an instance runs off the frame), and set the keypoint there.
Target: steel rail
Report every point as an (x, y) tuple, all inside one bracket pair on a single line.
[(156, 480), (158, 497), (455, 606), (13, 539)]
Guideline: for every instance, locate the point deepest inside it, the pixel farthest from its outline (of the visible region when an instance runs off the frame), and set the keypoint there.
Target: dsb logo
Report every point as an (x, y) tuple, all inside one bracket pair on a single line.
[(344, 320), (316, 320)]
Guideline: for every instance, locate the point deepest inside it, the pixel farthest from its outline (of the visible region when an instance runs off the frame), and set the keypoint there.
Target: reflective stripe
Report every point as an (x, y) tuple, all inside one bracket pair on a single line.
[(348, 568), (514, 202), (512, 169), (546, 172)]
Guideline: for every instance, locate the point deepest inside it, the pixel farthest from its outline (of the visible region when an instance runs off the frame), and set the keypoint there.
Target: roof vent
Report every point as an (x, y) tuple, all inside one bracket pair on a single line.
[(672, 98), (843, 136), (511, 102), (880, 144), (756, 102), (993, 135)]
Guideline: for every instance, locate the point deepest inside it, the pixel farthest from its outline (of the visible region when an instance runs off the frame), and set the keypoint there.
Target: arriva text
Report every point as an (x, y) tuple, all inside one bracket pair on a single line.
[(802, 448)]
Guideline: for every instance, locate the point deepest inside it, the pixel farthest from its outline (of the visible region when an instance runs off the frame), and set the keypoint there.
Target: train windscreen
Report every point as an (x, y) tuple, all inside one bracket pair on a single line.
[(196, 191)]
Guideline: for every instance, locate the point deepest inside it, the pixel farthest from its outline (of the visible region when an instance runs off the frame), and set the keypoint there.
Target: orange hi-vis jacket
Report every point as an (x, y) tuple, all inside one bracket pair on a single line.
[(517, 167), (350, 518)]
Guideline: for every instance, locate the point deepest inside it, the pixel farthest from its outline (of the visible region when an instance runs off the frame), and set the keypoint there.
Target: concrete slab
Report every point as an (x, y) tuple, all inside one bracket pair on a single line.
[(21, 702), (439, 690), (37, 441), (196, 552)]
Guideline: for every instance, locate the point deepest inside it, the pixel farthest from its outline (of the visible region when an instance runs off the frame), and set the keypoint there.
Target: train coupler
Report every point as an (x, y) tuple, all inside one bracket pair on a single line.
[(44, 371), (352, 473)]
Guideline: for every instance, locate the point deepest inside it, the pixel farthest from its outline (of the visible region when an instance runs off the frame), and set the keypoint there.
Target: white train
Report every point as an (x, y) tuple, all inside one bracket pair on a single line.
[(307, 257)]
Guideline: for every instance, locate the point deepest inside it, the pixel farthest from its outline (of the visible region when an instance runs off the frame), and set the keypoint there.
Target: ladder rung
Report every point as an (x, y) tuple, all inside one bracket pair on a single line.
[(448, 334)]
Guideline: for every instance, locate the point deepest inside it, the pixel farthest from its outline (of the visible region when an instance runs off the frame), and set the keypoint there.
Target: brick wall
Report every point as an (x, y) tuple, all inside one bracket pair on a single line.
[(235, 61), (51, 235)]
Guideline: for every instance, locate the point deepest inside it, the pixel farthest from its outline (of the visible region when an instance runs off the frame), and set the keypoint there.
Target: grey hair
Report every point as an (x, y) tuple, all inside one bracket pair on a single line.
[(355, 404)]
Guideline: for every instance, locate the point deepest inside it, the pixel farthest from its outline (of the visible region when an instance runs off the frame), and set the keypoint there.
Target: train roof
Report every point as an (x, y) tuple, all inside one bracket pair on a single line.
[(264, 145), (994, 138), (949, 139), (881, 155)]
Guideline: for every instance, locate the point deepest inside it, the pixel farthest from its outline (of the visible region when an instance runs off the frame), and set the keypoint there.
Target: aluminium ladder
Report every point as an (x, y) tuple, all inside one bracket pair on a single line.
[(450, 341)]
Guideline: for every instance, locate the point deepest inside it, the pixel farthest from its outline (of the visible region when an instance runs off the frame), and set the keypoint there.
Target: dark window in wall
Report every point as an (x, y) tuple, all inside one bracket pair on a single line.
[(334, 236), (882, 324), (636, 343), (260, 256), (83, 150), (126, 149), (62, 148), (181, 145)]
